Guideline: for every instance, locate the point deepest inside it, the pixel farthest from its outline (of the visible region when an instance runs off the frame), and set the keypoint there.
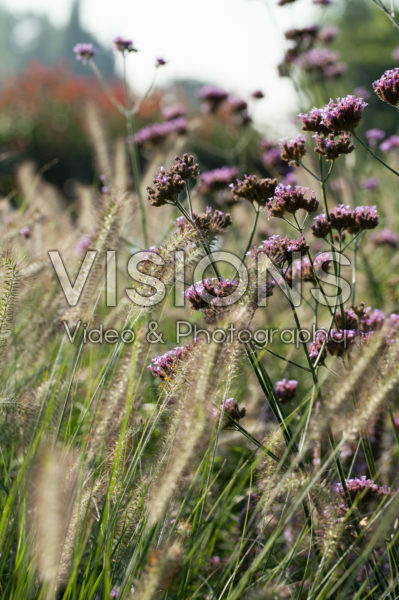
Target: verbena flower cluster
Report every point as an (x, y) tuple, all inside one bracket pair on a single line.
[(166, 365), (363, 486), (281, 249), (286, 389), (169, 184), (123, 45), (293, 150), (156, 133), (343, 217), (212, 97), (333, 124), (290, 199), (320, 62), (387, 87), (331, 147), (210, 293), (210, 221), (231, 410), (84, 52), (255, 190), (335, 342), (305, 270), (217, 179)]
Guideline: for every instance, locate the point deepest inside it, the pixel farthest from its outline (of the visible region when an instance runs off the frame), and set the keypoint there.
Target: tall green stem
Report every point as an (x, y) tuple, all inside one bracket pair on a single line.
[(251, 237), (134, 157), (374, 155)]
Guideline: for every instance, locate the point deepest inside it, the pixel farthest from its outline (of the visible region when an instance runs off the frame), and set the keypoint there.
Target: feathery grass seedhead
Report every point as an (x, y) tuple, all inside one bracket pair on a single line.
[(9, 278), (53, 487), (160, 571)]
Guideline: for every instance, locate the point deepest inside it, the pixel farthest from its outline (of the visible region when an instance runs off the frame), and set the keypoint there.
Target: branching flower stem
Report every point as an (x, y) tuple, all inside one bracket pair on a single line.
[(128, 113), (374, 155), (204, 244), (134, 157)]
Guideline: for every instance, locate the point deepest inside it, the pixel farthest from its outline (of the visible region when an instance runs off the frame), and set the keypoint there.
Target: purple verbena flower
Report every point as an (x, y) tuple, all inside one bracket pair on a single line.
[(365, 217), (362, 92), (332, 147), (165, 366), (170, 113), (317, 59), (328, 33), (212, 97), (169, 184), (364, 487), (210, 293), (344, 114), (83, 244), (293, 150), (25, 232), (305, 36), (273, 161), (160, 62), (280, 249), (254, 189), (236, 105), (156, 133), (390, 143), (334, 71), (386, 237), (286, 389), (84, 51), (302, 269), (217, 179), (231, 410), (290, 199), (123, 45), (337, 343), (283, 2), (374, 135), (387, 86), (321, 226), (370, 184), (313, 121)]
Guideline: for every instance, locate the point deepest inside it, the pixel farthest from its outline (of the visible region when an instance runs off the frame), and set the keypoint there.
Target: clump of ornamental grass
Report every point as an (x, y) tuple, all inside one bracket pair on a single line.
[(140, 497), (53, 488)]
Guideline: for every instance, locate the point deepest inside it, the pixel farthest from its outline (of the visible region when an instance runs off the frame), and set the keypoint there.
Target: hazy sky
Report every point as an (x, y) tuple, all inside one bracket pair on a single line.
[(235, 43)]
